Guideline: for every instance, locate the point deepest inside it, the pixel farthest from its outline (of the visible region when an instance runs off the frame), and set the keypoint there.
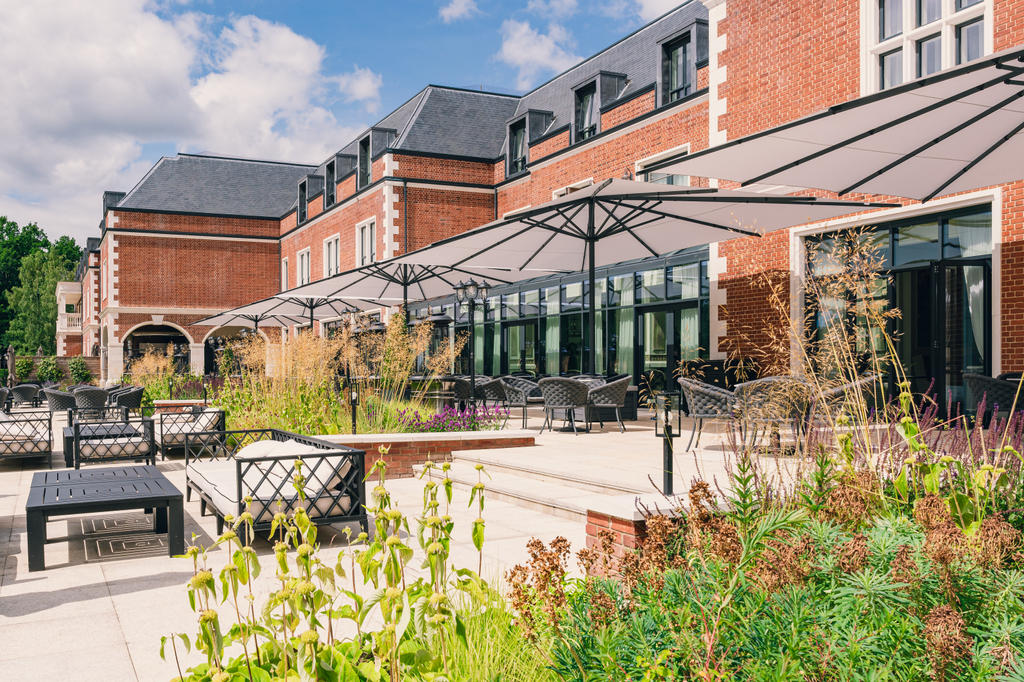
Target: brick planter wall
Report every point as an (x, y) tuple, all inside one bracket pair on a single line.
[(410, 449)]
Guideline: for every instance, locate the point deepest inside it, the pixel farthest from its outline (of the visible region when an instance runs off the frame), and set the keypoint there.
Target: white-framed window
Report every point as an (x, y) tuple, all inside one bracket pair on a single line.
[(284, 274), (332, 262), (657, 168), (366, 242), (906, 39), (303, 261), (574, 187)]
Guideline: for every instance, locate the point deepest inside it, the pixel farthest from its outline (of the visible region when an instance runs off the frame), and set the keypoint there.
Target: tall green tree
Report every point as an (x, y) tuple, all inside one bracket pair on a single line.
[(16, 242), (34, 302)]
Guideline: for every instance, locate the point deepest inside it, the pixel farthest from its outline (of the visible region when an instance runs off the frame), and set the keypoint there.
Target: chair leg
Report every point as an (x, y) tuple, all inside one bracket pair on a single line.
[(220, 525), (524, 416), (202, 507), (700, 430), (571, 414), (618, 417), (188, 493)]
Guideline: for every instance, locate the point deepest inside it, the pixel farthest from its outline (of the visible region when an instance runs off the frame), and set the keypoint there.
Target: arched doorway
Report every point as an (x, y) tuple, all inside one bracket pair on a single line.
[(161, 339)]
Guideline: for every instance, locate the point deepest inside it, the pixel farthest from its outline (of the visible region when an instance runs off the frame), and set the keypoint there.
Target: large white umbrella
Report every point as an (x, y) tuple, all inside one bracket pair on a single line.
[(619, 220), (959, 129)]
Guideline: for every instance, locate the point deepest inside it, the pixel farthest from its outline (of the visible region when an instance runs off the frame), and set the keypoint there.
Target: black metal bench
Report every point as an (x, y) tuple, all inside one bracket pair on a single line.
[(28, 434)]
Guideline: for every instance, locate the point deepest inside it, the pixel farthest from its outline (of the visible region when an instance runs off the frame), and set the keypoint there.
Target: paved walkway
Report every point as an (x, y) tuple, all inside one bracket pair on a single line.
[(110, 591)]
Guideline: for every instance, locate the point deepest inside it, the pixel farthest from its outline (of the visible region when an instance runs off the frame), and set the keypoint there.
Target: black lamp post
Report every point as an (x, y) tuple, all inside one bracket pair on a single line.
[(469, 292), (353, 400), (663, 428)]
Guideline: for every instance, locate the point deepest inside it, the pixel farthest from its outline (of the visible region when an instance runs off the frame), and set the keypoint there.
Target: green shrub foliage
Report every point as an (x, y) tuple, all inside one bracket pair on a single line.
[(49, 370), (23, 368), (79, 370)]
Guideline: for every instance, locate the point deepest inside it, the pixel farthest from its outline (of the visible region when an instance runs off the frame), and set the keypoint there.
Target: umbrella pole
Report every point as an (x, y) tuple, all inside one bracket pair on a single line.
[(405, 302), (591, 296), (311, 331)]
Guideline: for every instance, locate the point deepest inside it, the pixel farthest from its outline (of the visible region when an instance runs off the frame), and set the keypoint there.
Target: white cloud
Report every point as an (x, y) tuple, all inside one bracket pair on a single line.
[(651, 9), (457, 9), (87, 87), (532, 52), (552, 8)]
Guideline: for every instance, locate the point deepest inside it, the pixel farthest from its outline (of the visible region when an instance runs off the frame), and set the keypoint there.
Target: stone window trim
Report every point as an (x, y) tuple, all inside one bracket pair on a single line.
[(332, 255), (302, 271), (284, 274), (651, 163), (872, 48), (570, 188), (361, 226)]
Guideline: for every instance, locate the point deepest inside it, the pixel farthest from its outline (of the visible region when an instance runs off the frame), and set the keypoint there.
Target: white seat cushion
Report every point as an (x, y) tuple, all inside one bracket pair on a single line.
[(127, 447)]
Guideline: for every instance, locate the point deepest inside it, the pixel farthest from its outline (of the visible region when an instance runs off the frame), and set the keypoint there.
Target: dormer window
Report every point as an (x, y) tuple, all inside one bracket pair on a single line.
[(586, 112), (301, 211), (517, 147), (676, 66), (365, 173), (330, 184)]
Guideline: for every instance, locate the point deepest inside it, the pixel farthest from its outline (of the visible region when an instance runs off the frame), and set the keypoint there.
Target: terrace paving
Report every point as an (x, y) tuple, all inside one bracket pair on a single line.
[(110, 591)]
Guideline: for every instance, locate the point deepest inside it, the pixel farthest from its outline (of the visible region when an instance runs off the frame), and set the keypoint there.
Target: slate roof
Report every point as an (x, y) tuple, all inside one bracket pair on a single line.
[(459, 122), (197, 183), (637, 56)]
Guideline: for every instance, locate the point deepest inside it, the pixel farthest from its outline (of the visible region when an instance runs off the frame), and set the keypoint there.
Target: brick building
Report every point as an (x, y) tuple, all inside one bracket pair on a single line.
[(201, 234)]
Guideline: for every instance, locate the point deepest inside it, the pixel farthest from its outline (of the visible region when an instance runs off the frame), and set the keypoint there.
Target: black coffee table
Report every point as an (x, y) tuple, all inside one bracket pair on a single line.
[(76, 491), (97, 430)]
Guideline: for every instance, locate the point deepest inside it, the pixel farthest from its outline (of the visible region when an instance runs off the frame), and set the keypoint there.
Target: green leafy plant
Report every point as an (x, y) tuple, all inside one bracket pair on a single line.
[(23, 368), (49, 370), (79, 370)]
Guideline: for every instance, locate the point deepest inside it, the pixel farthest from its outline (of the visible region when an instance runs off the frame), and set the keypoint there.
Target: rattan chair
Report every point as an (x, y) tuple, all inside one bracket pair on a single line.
[(607, 396), (998, 394), (59, 401), (5, 393), (461, 390), (517, 394), (769, 402), (492, 392), (25, 394), (90, 397), (130, 398), (705, 402), (563, 394)]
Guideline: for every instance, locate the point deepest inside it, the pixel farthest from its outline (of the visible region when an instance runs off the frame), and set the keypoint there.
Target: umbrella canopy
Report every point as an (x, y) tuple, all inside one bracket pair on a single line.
[(396, 281), (956, 130), (283, 312), (620, 220)]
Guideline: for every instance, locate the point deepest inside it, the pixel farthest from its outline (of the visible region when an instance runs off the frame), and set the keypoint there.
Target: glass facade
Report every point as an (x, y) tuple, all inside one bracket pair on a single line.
[(938, 271), (650, 316)]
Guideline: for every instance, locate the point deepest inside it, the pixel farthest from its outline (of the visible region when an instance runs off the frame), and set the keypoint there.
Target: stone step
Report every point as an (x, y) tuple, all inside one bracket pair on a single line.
[(522, 462), (547, 495)]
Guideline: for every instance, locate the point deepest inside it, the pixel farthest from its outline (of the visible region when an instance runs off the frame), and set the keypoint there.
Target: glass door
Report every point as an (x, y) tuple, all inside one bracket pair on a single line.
[(667, 335), (521, 344), (916, 333), (966, 334)]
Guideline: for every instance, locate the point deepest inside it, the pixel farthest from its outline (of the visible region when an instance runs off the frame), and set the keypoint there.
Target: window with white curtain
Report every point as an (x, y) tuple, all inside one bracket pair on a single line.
[(284, 274), (303, 273), (366, 243), (331, 258)]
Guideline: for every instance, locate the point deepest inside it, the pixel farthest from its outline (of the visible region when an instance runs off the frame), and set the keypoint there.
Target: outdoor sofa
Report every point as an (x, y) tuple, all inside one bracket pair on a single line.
[(119, 440), (174, 426), (27, 434), (222, 468)]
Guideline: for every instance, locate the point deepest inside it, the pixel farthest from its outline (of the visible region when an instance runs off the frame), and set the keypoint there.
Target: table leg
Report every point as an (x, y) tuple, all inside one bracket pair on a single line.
[(160, 519), (176, 527), (36, 522), (69, 445)]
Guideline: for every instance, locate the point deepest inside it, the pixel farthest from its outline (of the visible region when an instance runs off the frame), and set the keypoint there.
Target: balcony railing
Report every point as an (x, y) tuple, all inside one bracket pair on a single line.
[(69, 322)]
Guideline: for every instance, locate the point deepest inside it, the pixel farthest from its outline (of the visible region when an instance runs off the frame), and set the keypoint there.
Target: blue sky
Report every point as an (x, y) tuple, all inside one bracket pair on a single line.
[(100, 90)]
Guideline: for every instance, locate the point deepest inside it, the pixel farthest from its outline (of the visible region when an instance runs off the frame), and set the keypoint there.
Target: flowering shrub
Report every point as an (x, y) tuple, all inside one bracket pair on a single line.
[(480, 418)]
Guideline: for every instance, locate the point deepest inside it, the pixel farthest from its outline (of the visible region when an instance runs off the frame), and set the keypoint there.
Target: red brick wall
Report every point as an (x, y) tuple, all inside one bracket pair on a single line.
[(451, 170), (627, 534), (194, 273), (1008, 25), (440, 213), (786, 59), (242, 227), (72, 345), (548, 146), (638, 106)]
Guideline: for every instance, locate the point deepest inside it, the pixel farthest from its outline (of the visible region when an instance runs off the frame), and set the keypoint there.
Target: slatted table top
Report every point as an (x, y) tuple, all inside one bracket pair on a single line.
[(95, 489)]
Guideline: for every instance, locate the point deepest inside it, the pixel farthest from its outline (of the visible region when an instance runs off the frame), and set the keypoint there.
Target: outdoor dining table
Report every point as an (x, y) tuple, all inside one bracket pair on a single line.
[(98, 430)]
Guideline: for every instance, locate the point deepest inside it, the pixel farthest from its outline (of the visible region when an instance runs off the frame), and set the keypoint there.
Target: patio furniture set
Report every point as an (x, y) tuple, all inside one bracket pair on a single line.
[(221, 467), (586, 398)]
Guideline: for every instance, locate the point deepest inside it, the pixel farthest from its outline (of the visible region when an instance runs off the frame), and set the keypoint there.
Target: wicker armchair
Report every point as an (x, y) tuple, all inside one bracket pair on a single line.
[(563, 394), (5, 393), (25, 394), (130, 398), (90, 397), (492, 392), (997, 393), (517, 393), (59, 401), (705, 402), (772, 401), (833, 400), (462, 390), (610, 395)]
